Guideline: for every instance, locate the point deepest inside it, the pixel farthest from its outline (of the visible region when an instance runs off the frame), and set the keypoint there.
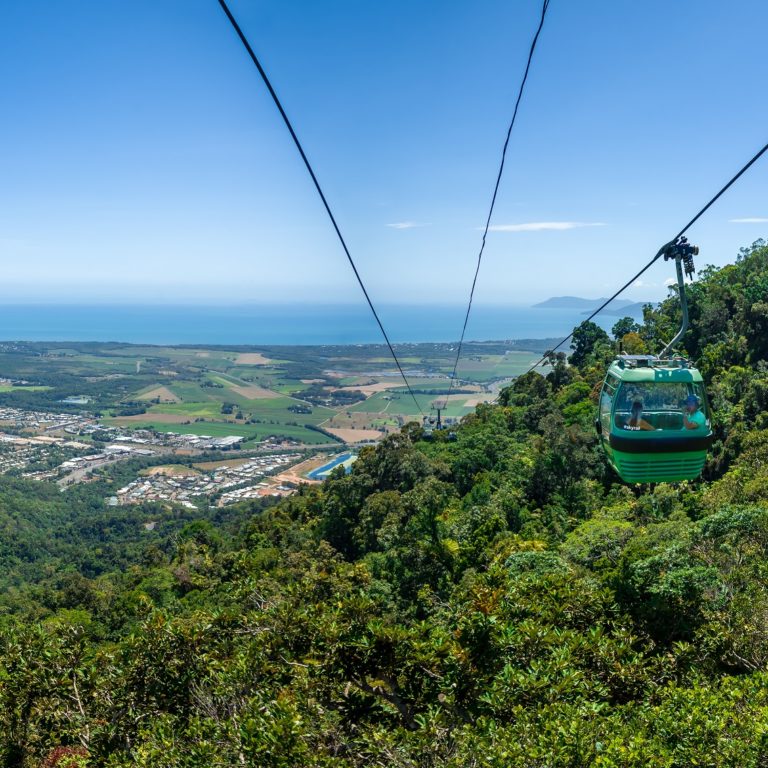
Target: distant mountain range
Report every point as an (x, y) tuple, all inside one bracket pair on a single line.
[(621, 307)]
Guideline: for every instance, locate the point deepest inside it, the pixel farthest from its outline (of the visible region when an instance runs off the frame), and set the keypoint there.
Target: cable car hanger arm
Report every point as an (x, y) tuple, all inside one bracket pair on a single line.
[(682, 252)]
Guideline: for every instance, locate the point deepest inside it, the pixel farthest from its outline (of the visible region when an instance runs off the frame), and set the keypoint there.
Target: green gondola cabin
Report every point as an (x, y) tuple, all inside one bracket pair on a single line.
[(654, 419)]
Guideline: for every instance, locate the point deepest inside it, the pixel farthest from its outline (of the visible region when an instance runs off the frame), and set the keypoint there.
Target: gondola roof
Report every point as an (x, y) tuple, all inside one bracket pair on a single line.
[(647, 368)]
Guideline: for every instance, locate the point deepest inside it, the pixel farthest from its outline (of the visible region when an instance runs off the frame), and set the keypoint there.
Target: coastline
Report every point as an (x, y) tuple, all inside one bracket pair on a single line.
[(280, 325)]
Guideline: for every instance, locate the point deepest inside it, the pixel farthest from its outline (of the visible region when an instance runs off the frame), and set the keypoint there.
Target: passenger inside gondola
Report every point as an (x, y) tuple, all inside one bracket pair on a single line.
[(636, 420), (693, 418), (659, 406)]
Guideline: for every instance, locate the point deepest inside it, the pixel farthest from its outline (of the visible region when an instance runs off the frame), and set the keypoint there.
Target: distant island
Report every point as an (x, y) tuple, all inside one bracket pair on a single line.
[(576, 302), (621, 307), (635, 309)]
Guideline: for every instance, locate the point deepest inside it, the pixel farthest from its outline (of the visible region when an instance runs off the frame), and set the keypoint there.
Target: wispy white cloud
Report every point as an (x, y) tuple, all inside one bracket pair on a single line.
[(407, 224), (539, 226), (671, 282), (640, 283), (750, 220)]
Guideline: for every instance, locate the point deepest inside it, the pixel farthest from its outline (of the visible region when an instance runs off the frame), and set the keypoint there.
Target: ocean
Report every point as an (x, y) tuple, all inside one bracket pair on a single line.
[(280, 324)]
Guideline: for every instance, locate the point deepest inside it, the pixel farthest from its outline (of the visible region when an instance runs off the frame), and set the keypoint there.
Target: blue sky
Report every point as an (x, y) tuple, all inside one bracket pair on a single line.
[(143, 160)]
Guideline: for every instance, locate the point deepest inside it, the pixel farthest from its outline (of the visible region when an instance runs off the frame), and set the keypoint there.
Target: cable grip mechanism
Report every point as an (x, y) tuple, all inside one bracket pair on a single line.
[(683, 250)]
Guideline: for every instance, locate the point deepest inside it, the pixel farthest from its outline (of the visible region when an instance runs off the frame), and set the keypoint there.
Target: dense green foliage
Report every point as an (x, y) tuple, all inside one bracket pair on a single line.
[(497, 600)]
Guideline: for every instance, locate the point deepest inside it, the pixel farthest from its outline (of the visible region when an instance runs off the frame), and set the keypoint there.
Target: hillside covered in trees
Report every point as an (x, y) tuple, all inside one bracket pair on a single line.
[(497, 600)]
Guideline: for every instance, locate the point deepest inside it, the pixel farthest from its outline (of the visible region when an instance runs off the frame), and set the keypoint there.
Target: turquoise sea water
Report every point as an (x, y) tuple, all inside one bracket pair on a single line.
[(279, 324)]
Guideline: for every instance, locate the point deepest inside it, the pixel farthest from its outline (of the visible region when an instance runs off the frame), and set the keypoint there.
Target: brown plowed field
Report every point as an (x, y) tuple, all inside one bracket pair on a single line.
[(163, 418), (252, 358), (165, 395), (255, 393), (355, 435)]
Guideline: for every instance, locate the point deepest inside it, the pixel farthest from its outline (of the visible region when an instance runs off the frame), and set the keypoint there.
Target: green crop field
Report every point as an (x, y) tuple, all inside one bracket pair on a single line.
[(383, 423), (401, 403), (381, 402), (193, 410), (496, 366), (190, 391), (103, 363)]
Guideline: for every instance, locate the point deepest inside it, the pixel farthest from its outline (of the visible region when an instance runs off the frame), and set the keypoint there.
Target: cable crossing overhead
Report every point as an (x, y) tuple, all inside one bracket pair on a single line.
[(661, 251), (535, 40), (311, 172)]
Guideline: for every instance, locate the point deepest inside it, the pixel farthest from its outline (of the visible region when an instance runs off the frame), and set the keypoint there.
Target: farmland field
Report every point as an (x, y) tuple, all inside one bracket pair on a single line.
[(401, 402), (161, 393), (293, 393)]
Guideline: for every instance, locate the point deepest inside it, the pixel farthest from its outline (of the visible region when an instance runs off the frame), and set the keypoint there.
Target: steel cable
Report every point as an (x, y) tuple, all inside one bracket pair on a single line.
[(660, 253), (296, 141), (535, 40)]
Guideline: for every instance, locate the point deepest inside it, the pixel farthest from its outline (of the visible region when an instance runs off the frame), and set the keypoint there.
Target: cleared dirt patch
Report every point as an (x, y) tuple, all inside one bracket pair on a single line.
[(171, 470), (208, 465), (252, 358), (163, 393), (255, 393), (355, 435), (296, 473)]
